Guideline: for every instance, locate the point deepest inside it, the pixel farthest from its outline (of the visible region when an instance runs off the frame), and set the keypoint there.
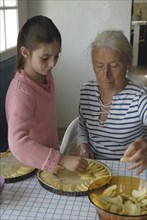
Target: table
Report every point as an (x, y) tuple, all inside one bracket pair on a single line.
[(28, 200)]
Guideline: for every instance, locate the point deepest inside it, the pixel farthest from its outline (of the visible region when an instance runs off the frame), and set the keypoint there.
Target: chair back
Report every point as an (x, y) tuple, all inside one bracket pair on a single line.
[(69, 135)]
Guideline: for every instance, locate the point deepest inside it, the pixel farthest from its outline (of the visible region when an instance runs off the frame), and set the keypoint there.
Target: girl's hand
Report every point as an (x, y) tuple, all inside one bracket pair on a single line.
[(137, 154), (73, 163), (84, 151)]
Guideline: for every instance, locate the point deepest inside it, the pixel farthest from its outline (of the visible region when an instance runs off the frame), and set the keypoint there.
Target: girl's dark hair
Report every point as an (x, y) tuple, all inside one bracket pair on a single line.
[(36, 30)]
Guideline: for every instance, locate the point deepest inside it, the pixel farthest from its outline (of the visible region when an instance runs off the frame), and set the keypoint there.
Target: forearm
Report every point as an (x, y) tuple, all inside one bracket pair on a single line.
[(34, 154), (82, 133)]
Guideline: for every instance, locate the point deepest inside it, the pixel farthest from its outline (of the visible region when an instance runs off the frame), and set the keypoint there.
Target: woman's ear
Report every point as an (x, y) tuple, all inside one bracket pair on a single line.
[(129, 66), (25, 52)]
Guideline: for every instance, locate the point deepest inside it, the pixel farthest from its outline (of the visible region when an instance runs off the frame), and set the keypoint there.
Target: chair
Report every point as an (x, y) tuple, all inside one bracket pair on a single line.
[(69, 136)]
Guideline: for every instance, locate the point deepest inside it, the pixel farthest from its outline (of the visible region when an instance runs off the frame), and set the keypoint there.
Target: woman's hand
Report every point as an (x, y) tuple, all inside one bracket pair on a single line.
[(137, 154), (73, 163), (84, 151)]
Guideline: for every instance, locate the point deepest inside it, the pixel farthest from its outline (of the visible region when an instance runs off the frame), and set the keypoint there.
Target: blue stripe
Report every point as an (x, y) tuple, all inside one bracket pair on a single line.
[(126, 122)]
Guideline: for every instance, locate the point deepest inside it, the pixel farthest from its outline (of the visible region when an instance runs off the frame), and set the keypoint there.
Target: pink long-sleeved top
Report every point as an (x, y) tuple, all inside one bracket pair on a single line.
[(32, 123)]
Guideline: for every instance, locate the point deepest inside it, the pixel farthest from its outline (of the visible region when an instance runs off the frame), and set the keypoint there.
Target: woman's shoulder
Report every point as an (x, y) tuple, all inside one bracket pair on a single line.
[(91, 84), (137, 89)]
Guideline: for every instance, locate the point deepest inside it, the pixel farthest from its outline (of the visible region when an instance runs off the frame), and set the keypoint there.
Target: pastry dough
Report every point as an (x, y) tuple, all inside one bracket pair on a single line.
[(67, 181), (10, 167)]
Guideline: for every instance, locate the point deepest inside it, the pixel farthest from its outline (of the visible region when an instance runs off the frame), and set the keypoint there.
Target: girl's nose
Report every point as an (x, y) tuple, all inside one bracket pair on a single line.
[(52, 62)]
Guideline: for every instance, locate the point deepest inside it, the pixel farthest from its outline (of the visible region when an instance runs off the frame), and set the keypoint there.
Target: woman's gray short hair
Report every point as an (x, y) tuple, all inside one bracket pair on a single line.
[(115, 40)]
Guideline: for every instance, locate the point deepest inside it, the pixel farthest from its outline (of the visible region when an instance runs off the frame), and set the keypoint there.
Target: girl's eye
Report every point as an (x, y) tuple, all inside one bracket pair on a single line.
[(44, 58), (56, 57)]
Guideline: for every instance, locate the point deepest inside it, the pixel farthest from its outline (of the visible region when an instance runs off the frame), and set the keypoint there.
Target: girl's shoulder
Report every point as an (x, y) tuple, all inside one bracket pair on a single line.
[(21, 85)]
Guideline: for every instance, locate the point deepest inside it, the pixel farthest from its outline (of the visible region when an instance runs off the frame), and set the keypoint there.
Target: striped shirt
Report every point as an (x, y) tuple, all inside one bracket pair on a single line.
[(126, 120)]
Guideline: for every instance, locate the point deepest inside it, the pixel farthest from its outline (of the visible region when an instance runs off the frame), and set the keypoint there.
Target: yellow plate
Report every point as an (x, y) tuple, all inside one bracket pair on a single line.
[(65, 182), (13, 170)]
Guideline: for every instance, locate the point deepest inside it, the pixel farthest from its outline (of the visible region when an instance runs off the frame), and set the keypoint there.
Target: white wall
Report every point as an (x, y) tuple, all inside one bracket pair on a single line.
[(22, 12), (79, 22), (140, 1)]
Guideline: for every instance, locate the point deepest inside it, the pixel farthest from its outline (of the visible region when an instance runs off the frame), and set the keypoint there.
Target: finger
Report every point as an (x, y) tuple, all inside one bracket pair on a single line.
[(84, 163), (136, 157), (140, 170), (91, 155), (86, 155), (135, 165), (81, 169), (133, 147), (82, 152), (129, 151)]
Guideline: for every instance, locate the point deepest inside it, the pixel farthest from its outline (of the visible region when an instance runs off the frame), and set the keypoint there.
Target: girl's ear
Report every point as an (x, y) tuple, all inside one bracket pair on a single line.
[(25, 52)]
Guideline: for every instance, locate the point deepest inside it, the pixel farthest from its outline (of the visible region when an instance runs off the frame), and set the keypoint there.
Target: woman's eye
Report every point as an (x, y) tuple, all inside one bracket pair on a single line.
[(114, 65), (99, 65)]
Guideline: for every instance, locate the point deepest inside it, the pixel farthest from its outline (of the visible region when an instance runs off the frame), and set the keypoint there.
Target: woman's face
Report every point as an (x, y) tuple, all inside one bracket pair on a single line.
[(109, 67), (41, 61)]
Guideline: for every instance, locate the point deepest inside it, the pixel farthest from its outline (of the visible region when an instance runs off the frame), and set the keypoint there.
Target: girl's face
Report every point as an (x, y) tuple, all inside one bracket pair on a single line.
[(109, 67), (41, 61)]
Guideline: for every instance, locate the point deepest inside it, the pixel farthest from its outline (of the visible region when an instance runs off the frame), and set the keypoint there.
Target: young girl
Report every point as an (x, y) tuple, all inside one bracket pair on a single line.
[(30, 100)]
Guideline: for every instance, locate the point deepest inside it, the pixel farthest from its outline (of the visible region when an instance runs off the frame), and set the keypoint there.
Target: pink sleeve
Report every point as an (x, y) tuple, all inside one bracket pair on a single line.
[(25, 149), (51, 161)]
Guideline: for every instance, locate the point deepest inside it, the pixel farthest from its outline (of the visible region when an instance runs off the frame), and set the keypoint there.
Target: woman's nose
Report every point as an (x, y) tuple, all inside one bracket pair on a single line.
[(106, 71)]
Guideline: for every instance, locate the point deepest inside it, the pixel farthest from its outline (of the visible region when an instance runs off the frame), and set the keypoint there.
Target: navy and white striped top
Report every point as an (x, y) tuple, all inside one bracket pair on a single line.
[(126, 121)]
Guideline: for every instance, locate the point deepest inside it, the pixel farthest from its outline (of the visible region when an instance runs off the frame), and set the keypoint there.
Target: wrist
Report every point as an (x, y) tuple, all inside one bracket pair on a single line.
[(62, 159), (82, 145)]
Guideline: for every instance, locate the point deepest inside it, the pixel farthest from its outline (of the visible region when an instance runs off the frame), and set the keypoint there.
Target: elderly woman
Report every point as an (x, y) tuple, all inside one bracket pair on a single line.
[(113, 110)]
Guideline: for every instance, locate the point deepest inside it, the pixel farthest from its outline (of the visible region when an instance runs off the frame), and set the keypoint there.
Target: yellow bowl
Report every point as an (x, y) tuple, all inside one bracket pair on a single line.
[(125, 185)]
